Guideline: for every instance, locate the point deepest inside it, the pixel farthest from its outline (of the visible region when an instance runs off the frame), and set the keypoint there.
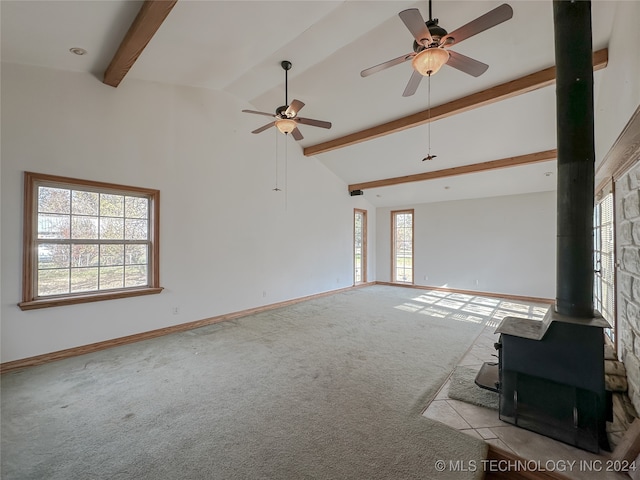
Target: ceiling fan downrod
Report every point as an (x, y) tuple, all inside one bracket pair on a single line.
[(286, 65)]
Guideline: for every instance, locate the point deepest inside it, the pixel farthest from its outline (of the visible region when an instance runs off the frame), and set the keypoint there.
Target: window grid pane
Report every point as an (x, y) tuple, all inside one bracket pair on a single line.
[(85, 203), (53, 281), (84, 227), (84, 279), (135, 275), (54, 200), (111, 277), (53, 226)]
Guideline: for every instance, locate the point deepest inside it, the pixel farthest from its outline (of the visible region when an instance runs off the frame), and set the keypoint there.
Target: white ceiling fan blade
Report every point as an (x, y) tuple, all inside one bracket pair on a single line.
[(295, 133), (259, 113), (412, 86), (416, 25), (387, 64), (293, 109), (314, 123), (466, 64), (263, 128), (490, 19)]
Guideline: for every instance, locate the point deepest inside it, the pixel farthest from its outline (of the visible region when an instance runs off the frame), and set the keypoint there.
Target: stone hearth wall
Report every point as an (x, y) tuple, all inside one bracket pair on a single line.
[(628, 254)]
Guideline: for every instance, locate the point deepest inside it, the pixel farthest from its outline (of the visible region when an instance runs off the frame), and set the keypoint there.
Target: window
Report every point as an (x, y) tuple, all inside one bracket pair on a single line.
[(359, 246), (86, 241), (604, 261), (402, 246)]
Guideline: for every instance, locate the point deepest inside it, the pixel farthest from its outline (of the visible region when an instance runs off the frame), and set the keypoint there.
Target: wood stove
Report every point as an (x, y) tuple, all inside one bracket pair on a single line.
[(551, 378)]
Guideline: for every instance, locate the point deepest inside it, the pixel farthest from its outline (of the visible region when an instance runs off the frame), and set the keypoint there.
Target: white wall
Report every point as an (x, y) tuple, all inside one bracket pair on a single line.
[(501, 244), (619, 89), (226, 237)]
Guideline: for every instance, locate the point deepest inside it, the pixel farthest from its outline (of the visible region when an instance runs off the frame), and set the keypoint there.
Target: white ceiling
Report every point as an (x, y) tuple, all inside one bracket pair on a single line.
[(237, 47)]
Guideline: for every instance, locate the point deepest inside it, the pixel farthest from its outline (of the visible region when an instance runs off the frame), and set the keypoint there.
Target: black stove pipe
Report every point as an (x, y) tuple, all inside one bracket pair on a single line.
[(576, 156)]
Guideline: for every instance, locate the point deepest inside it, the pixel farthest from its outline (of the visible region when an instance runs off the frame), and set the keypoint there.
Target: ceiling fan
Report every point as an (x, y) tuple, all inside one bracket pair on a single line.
[(432, 42), (286, 116)]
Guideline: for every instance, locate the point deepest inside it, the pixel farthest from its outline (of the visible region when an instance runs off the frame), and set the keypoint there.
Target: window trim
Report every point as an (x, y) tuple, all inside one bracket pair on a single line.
[(30, 300), (393, 245)]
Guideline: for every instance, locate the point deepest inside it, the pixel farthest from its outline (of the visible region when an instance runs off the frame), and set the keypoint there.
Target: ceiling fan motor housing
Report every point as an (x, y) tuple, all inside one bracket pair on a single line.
[(436, 31)]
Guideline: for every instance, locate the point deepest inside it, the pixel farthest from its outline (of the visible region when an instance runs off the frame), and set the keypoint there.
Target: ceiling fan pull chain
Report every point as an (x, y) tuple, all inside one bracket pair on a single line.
[(286, 172), (429, 100), (429, 156), (276, 189)]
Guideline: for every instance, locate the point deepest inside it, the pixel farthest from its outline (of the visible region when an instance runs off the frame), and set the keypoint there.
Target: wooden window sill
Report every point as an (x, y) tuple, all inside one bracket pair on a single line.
[(86, 298)]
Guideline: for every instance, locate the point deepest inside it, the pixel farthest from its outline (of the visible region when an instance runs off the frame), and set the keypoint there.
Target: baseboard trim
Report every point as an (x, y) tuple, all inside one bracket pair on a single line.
[(472, 292), (138, 337)]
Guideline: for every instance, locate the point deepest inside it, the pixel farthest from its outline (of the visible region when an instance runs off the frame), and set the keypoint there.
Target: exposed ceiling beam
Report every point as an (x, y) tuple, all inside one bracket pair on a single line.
[(450, 172), (146, 24), (528, 83)]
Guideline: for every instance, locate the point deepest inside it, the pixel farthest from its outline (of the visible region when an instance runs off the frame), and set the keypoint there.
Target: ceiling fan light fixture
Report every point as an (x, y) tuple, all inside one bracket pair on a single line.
[(285, 125), (430, 60)]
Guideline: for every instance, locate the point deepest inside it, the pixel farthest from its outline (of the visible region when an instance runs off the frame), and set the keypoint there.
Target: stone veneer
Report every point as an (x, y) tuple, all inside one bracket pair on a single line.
[(628, 254)]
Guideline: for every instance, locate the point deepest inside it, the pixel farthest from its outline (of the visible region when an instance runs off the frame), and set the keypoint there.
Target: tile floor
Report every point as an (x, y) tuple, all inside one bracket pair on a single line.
[(484, 423)]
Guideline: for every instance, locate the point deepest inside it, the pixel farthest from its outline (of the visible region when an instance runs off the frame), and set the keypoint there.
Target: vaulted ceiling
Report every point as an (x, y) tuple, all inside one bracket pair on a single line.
[(237, 47)]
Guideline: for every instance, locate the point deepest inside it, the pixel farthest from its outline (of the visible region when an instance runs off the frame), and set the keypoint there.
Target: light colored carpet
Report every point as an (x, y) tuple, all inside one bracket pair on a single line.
[(331, 388), (462, 387)]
